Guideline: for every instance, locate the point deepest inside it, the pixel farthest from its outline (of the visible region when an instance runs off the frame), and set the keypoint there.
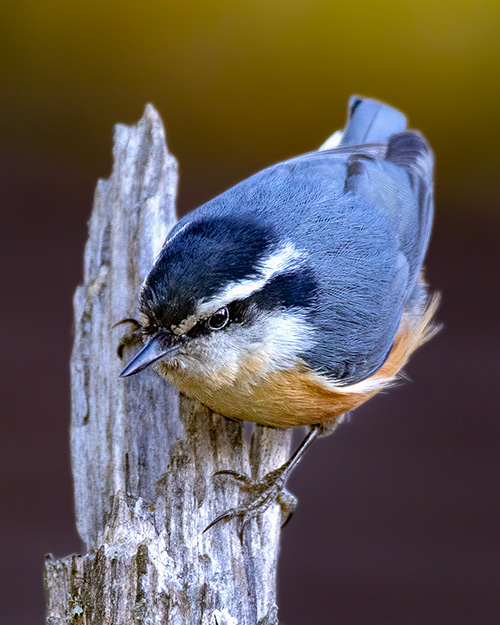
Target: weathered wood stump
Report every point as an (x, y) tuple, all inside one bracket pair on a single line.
[(143, 456)]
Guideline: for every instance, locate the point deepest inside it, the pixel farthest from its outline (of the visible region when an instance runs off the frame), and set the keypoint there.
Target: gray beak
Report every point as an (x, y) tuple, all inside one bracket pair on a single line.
[(149, 354)]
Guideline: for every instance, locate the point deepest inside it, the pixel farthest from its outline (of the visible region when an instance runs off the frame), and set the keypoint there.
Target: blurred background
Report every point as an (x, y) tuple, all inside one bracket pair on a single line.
[(399, 512)]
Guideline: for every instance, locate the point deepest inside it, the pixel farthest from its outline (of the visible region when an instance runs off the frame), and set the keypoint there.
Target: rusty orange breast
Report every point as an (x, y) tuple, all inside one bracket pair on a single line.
[(299, 396)]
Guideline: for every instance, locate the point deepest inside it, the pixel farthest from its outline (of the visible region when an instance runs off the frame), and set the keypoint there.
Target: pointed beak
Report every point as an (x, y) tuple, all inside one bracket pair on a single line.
[(149, 354)]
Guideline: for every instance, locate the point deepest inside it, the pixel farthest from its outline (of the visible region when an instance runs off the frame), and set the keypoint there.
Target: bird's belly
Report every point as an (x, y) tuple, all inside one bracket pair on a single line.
[(282, 399), (297, 396), (292, 398)]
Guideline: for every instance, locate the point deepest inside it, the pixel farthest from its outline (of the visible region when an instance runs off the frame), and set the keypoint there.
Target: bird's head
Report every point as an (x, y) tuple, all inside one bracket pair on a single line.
[(223, 291)]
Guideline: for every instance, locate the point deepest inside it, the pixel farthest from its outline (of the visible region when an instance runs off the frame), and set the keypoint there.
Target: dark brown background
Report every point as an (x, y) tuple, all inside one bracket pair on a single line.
[(398, 522)]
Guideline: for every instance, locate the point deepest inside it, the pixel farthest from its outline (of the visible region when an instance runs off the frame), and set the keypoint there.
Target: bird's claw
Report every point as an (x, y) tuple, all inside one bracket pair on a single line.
[(262, 495), (131, 337), (227, 516), (239, 477)]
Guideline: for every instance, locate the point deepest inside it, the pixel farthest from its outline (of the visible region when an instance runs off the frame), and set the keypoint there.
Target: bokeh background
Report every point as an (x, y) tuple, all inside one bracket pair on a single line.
[(399, 514)]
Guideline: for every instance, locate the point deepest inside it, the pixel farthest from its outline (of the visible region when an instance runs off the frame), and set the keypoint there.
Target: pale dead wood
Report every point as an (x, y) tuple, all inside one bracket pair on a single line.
[(143, 456)]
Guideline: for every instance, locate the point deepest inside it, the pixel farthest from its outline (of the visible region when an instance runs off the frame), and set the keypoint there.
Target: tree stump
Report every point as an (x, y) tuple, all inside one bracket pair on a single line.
[(143, 455)]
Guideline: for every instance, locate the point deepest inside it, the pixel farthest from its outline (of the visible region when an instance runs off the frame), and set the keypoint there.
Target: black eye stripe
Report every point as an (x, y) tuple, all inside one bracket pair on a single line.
[(291, 289), (238, 310)]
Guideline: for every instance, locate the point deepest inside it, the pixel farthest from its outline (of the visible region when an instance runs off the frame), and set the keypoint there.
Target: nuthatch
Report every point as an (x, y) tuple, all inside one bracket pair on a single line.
[(296, 295)]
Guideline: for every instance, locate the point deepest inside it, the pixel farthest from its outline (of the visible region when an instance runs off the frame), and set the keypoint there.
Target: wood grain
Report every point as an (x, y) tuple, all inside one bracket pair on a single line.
[(142, 454)]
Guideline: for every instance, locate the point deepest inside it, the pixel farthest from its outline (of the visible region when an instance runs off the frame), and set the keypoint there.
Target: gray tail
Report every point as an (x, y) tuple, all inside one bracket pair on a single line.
[(370, 121)]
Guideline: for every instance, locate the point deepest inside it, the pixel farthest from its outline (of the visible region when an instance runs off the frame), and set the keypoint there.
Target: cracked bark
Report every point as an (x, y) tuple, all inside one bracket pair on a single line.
[(142, 454)]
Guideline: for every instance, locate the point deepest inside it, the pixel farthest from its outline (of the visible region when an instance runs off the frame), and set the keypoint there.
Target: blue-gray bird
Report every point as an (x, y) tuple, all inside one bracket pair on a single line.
[(296, 295)]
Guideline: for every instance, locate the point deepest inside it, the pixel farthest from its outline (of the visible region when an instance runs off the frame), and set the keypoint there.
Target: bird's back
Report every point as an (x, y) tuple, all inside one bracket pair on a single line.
[(363, 213)]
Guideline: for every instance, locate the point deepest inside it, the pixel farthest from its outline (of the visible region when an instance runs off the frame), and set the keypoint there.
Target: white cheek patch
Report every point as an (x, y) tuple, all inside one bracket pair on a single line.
[(273, 342), (287, 334), (284, 259)]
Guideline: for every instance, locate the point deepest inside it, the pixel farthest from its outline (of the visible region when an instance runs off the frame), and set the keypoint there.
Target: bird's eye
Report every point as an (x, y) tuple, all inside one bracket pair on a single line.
[(219, 319)]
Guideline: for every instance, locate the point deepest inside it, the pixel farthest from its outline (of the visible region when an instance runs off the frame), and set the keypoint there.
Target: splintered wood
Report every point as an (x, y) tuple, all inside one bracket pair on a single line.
[(144, 456)]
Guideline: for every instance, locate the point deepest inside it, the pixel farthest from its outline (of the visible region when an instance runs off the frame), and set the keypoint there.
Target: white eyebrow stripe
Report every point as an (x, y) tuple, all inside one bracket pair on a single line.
[(284, 259)]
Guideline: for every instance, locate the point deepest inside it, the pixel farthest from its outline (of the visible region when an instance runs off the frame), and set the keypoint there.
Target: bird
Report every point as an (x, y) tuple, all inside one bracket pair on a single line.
[(298, 294)]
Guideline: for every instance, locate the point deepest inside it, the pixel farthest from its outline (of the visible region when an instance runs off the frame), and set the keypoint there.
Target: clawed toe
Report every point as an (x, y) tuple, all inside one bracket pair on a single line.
[(239, 477), (131, 337), (271, 488), (262, 495), (227, 516)]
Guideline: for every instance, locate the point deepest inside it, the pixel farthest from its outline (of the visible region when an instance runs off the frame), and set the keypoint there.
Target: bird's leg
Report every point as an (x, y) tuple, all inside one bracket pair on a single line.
[(131, 336), (271, 488)]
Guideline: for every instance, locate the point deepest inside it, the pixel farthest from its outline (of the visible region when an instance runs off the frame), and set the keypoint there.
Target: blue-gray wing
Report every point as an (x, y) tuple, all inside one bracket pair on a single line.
[(368, 250), (362, 212)]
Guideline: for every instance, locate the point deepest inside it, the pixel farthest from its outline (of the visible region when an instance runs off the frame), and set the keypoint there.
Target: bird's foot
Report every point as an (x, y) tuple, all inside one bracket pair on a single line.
[(260, 496), (131, 337), (272, 487)]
